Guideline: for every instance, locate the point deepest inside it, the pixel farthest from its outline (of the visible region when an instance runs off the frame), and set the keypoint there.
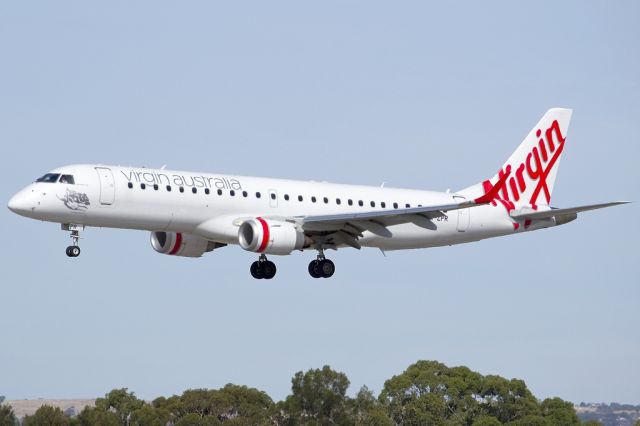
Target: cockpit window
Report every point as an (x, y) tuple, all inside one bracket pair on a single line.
[(67, 179), (49, 178)]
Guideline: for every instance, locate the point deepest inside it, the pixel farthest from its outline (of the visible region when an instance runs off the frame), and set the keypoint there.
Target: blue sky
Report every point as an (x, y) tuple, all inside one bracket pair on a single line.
[(417, 95)]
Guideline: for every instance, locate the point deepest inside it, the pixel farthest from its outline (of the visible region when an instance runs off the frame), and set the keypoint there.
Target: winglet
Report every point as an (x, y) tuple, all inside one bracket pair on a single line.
[(489, 196)]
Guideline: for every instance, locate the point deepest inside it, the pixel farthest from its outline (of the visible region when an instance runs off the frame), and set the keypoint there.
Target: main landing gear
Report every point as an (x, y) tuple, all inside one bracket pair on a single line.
[(74, 249), (263, 268), (321, 267)]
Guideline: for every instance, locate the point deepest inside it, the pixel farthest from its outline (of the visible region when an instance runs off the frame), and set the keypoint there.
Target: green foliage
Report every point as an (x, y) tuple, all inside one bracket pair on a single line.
[(559, 412), (47, 416), (429, 392), (597, 423), (97, 416), (150, 416), (318, 398), (121, 401), (426, 393), (367, 410), (7, 416), (486, 421), (533, 420)]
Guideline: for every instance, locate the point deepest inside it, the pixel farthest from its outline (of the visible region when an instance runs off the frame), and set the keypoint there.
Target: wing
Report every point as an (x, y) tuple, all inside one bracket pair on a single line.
[(546, 214), (347, 228)]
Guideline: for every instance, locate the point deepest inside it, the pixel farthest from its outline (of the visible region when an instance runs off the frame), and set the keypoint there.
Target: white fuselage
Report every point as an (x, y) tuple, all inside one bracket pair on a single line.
[(213, 206)]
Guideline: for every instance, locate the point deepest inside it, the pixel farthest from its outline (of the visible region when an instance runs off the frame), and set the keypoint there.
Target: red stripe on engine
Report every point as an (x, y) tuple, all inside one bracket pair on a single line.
[(265, 234), (177, 245)]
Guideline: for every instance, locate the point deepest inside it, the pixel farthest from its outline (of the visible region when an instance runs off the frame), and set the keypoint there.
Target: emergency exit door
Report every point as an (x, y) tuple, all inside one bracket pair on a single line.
[(463, 215), (107, 186)]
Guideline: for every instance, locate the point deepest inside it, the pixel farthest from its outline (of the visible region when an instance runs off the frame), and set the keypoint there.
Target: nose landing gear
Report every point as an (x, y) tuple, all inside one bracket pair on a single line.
[(263, 268), (321, 267), (74, 249)]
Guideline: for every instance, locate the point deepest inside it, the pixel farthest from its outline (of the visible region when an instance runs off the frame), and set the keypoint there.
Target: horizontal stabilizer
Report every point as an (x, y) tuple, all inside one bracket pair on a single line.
[(545, 214)]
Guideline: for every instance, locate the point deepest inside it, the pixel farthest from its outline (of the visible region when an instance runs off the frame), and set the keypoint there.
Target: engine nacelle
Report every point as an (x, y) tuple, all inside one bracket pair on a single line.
[(179, 244), (270, 236)]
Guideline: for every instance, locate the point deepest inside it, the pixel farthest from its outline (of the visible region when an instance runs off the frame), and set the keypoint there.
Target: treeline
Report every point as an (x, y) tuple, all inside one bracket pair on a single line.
[(427, 393)]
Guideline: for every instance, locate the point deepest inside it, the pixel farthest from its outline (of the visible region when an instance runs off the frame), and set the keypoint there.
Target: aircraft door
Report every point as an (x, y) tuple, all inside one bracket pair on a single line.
[(107, 186), (463, 215), (273, 198)]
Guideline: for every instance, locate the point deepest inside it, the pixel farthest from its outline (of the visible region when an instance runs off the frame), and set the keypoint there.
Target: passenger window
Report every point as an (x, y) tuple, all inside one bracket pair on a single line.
[(194, 190), (257, 195), (130, 185), (206, 191), (286, 197), (143, 186), (326, 200), (155, 186), (338, 201), (383, 205), (395, 205), (373, 204), (244, 194), (168, 188), (299, 197), (313, 199), (68, 179), (273, 196), (408, 206), (219, 191), (360, 203), (350, 202), (182, 189), (49, 178), (232, 193)]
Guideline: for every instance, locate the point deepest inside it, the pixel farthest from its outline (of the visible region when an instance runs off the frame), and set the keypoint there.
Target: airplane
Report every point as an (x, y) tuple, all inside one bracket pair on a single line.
[(190, 213)]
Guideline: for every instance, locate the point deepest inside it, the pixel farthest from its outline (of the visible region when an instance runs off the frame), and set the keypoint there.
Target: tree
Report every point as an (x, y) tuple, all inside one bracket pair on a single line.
[(486, 421), (559, 412), (532, 420), (91, 416), (7, 416), (429, 392), (150, 416), (367, 410), (242, 402), (47, 415), (121, 401), (318, 397)]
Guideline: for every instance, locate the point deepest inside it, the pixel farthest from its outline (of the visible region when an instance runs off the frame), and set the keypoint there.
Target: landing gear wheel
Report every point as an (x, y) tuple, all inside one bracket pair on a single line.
[(326, 268), (268, 269), (313, 269), (256, 270), (73, 251)]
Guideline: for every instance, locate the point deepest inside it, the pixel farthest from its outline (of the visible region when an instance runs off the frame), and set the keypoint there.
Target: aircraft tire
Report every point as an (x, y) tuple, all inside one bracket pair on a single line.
[(268, 269), (326, 268), (256, 270), (313, 269)]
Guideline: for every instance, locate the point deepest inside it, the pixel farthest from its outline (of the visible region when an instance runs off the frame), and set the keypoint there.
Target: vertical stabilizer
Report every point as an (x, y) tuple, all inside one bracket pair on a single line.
[(534, 165)]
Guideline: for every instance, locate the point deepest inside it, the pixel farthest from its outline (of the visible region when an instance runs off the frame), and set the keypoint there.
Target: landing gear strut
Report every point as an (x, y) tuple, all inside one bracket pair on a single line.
[(321, 267), (263, 268), (74, 249)]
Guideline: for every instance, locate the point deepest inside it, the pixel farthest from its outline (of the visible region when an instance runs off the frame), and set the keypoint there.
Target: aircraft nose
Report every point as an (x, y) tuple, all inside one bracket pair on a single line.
[(19, 203)]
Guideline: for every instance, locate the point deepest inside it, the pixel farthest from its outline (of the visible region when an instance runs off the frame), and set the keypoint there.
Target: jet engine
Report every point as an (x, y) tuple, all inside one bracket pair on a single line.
[(270, 236), (179, 244)]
